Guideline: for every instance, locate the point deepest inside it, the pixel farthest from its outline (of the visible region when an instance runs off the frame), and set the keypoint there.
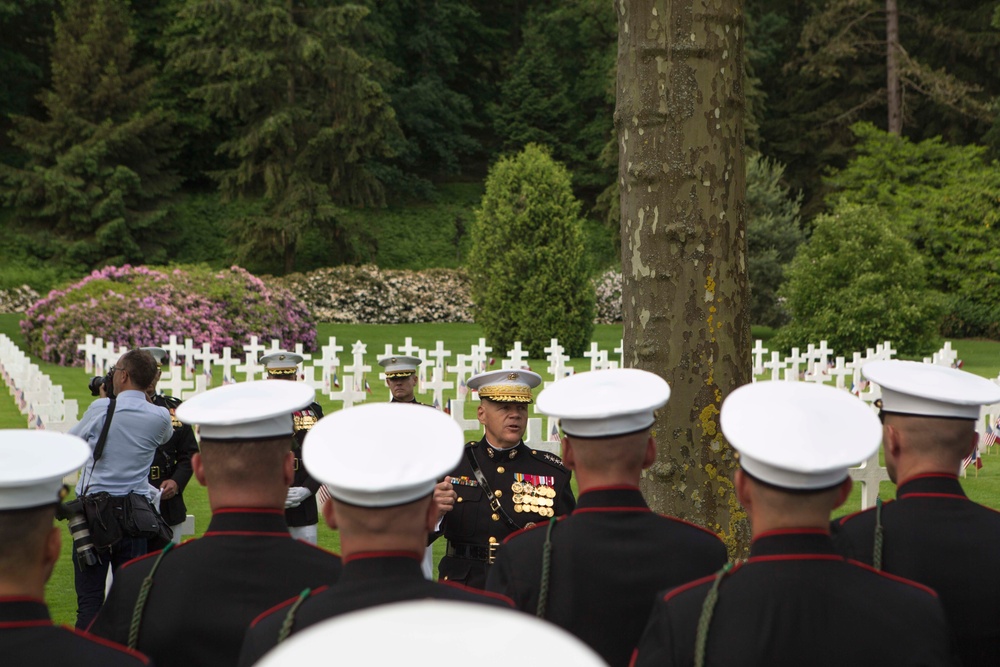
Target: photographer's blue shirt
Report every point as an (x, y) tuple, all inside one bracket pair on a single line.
[(137, 428)]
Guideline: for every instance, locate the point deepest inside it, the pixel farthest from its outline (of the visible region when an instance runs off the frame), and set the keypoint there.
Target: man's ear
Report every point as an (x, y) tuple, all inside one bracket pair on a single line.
[(568, 455), (649, 458), (432, 518), (481, 414), (52, 551), (289, 468), (843, 491), (892, 441), (330, 513), (743, 492), (198, 467)]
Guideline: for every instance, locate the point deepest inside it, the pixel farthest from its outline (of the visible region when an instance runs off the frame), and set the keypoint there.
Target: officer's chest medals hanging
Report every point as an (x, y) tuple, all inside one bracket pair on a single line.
[(534, 494), (303, 420)]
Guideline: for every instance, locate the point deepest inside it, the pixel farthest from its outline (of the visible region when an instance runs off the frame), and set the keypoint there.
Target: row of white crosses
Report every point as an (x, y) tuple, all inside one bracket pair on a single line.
[(190, 370), (817, 364), (43, 403)]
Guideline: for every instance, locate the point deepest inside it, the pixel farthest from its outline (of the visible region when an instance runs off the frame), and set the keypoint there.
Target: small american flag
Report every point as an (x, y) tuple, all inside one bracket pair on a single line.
[(990, 437), (322, 495)]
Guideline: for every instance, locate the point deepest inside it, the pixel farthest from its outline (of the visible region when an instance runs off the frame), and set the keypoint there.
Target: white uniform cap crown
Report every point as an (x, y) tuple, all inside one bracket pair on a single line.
[(601, 404), (399, 365), (246, 410), (281, 362), (158, 353), (382, 454), (420, 629), (798, 435), (929, 390), (33, 465), (505, 386)]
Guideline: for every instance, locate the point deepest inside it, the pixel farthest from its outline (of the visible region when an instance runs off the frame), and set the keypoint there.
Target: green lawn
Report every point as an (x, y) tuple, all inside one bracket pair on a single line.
[(982, 357)]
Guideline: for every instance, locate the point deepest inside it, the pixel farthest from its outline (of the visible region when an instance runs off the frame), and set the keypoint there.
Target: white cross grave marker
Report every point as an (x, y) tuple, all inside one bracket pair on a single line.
[(515, 358), (870, 474)]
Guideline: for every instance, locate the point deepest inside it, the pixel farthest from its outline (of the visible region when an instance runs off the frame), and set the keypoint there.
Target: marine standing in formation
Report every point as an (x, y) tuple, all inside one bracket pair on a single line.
[(796, 601), (300, 505), (401, 377), (381, 488), (32, 467), (932, 532), (502, 484), (609, 558), (191, 604)]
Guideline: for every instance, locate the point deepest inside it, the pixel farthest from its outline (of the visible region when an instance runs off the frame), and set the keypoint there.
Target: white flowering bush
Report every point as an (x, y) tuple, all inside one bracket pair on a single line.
[(608, 288), (368, 294), (17, 300)]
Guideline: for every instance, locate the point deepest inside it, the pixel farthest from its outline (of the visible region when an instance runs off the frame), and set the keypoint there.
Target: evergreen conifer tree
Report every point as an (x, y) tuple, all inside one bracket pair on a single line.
[(96, 173), (307, 116), (530, 280)]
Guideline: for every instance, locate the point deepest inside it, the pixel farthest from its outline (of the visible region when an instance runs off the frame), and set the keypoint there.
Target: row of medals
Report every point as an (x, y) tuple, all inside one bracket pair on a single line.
[(537, 499)]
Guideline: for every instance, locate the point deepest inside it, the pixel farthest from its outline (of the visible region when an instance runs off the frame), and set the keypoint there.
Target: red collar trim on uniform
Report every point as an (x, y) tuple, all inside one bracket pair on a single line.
[(248, 510), (790, 531), (953, 496), (779, 557), (246, 533), (41, 623), (20, 598), (612, 487), (361, 555)]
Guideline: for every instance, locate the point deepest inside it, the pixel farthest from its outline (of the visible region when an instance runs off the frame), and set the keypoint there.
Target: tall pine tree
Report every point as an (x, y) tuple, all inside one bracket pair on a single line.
[(96, 174), (308, 118)]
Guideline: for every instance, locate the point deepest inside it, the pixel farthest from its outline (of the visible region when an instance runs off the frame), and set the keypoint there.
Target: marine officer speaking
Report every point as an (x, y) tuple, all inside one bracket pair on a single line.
[(502, 484)]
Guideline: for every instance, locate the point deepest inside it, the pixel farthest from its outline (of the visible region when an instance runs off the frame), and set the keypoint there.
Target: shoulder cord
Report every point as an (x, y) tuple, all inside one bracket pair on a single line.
[(286, 625), (879, 533), (140, 602), (543, 588), (101, 441), (707, 609)]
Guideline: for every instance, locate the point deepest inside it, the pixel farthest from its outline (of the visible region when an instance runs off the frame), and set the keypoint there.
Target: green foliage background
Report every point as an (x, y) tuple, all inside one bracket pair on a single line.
[(528, 269)]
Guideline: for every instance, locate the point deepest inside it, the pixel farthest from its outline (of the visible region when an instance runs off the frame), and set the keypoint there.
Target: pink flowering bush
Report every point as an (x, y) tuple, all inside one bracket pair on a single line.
[(144, 306)]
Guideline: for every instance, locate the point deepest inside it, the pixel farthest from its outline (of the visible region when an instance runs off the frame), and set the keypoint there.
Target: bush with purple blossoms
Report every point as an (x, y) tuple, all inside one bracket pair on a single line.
[(144, 306)]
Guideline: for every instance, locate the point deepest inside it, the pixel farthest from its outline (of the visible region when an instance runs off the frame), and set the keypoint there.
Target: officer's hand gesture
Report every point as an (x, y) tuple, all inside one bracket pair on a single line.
[(444, 497)]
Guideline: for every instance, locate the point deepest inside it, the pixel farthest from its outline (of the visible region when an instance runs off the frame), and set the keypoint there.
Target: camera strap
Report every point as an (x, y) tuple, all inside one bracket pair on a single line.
[(101, 441)]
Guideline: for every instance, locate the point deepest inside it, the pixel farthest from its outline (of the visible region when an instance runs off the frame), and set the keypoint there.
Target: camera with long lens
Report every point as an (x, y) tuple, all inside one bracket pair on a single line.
[(108, 382), (83, 544)]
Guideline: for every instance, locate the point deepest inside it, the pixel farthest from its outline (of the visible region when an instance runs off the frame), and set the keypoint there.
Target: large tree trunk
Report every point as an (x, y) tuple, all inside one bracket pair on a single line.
[(679, 119), (893, 89)]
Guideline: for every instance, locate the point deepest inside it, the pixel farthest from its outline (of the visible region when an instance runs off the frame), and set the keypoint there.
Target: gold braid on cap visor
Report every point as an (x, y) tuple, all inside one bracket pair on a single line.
[(506, 393), (400, 374), (282, 371)]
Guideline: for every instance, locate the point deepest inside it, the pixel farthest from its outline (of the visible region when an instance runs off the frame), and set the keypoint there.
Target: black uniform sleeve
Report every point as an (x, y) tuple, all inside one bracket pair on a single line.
[(567, 501), (656, 645), (260, 638), (187, 446), (113, 620)]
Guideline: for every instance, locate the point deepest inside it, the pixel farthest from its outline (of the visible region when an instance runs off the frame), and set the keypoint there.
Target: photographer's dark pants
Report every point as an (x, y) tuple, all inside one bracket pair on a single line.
[(92, 579)]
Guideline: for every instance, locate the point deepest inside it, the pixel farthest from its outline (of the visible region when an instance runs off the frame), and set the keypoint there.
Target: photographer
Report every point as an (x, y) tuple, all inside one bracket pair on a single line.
[(136, 429)]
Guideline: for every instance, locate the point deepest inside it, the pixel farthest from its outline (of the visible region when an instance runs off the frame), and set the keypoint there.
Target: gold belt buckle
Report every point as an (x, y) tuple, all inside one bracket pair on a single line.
[(154, 473), (495, 504)]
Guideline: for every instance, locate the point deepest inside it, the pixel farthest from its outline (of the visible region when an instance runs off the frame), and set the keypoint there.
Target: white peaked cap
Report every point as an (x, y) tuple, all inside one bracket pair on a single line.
[(505, 386), (33, 465), (399, 365), (158, 353), (382, 454), (929, 390), (798, 435), (246, 410), (418, 631), (601, 404)]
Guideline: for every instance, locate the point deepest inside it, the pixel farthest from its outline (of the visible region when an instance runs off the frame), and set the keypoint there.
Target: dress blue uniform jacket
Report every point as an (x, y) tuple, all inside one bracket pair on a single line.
[(368, 579), (28, 637), (933, 533), (797, 602), (206, 591), (609, 560)]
